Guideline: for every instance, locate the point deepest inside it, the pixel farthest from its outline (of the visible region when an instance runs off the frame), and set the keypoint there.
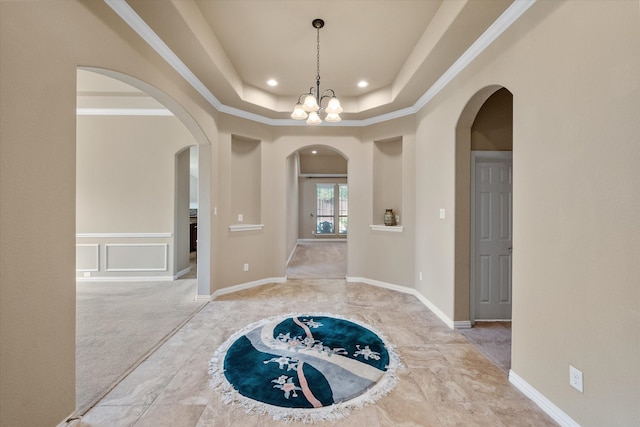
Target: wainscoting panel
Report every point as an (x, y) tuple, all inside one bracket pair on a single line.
[(136, 257), (88, 257)]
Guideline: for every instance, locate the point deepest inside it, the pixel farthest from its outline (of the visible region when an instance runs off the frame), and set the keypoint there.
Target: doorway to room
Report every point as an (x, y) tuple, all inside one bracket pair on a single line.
[(319, 249), (131, 292), (484, 223)]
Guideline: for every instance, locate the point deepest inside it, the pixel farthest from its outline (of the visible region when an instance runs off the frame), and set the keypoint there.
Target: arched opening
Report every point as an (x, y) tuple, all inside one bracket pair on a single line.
[(133, 194), (317, 213), (484, 141)]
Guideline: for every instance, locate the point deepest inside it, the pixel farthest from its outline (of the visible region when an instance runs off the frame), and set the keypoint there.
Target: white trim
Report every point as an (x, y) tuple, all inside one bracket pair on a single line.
[(72, 420), (165, 267), (203, 298), (291, 254), (323, 175), (248, 285), (411, 291), (324, 239), (97, 261), (504, 21), (388, 228), (539, 399), (181, 273), (246, 227), (125, 279), (123, 112), (124, 235), (461, 324)]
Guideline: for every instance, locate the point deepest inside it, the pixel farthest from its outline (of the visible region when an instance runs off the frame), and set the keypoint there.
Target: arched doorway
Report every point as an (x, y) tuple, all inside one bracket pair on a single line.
[(484, 141), (318, 212), (145, 148)]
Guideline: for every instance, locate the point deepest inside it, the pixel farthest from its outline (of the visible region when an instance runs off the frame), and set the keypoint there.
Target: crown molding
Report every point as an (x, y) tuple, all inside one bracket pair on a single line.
[(508, 17)]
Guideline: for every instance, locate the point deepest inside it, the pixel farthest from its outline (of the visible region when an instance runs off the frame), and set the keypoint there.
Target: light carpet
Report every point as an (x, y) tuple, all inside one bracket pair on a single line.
[(319, 260), (493, 339), (119, 323)]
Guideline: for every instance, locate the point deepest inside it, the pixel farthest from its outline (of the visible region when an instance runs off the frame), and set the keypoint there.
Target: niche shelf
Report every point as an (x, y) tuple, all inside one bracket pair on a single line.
[(246, 227), (387, 228)]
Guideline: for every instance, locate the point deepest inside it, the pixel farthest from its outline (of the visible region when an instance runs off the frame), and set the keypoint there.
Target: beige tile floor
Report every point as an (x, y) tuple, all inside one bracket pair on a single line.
[(445, 381)]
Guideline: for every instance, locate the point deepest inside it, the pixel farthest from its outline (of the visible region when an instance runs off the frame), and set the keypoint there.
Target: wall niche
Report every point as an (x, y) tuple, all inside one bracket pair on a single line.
[(387, 179), (246, 182)]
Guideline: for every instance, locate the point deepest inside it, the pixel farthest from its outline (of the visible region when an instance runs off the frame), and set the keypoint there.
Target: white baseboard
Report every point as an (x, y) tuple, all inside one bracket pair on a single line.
[(182, 273), (323, 239), (73, 420), (293, 251), (248, 285), (125, 279), (203, 297), (545, 404), (462, 324), (406, 290)]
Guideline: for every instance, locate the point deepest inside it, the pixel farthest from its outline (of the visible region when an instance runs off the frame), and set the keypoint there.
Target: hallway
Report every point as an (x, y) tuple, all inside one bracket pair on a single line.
[(319, 260), (445, 381)]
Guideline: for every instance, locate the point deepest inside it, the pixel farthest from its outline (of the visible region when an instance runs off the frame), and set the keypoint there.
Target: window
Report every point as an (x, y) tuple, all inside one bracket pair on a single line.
[(327, 216)]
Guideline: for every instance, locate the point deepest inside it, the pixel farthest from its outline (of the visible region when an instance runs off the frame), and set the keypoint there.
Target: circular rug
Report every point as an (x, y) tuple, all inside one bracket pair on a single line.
[(304, 367)]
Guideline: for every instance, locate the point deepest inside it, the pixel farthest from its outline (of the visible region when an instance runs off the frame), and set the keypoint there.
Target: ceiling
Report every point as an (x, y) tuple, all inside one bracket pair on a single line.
[(230, 48)]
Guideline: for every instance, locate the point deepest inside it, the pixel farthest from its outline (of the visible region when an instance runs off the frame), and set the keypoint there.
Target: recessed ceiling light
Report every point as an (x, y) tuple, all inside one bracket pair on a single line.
[(314, 152), (272, 82), (363, 83)]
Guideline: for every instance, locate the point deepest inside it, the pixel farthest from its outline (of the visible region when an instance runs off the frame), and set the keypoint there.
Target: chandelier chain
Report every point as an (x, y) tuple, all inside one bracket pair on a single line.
[(318, 54)]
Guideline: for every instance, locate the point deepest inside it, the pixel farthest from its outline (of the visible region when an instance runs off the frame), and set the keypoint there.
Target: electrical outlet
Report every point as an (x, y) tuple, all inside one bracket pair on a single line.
[(246, 267), (442, 214), (240, 218), (420, 275), (575, 379)]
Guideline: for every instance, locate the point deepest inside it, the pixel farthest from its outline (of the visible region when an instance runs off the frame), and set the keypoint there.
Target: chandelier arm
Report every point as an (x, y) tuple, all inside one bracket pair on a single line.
[(326, 95)]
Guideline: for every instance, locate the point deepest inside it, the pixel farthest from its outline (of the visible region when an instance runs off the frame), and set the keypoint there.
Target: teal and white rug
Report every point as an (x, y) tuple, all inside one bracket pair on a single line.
[(304, 367)]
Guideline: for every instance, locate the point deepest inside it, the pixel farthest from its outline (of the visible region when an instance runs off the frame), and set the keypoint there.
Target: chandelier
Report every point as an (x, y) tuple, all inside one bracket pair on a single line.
[(311, 107)]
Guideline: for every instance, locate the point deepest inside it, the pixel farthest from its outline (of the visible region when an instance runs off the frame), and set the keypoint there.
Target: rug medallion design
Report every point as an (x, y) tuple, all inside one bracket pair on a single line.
[(307, 367)]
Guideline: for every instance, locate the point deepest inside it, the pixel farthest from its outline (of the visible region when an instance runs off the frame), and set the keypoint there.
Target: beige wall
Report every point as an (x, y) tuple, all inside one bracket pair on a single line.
[(322, 164), (127, 182), (576, 299), (575, 144), (37, 197), (492, 129), (293, 203)]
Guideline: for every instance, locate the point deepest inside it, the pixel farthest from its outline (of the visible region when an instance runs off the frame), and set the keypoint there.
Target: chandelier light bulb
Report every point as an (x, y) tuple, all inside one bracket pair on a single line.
[(298, 112), (314, 119), (332, 117), (310, 103), (334, 106)]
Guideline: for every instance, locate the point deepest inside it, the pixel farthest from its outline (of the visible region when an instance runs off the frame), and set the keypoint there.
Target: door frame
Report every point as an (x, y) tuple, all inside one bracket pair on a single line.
[(477, 157)]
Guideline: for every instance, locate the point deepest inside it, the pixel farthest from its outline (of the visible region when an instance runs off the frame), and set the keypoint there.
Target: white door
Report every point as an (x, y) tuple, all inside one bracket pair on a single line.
[(492, 237)]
